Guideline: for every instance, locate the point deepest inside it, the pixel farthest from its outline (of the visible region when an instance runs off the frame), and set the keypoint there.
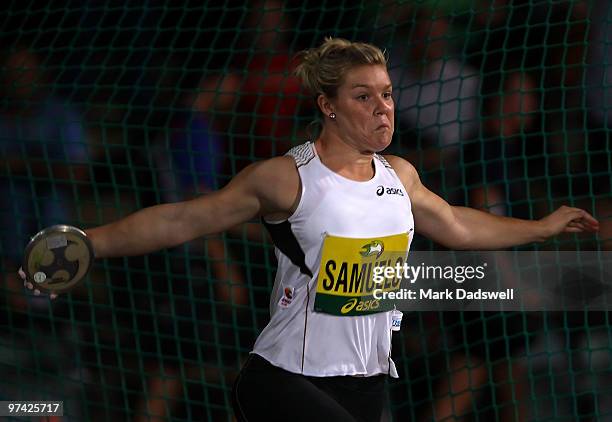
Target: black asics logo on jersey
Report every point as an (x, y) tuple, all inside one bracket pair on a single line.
[(381, 190)]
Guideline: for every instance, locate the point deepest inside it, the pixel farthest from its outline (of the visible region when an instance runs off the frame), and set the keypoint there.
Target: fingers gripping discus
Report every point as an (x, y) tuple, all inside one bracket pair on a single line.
[(58, 258)]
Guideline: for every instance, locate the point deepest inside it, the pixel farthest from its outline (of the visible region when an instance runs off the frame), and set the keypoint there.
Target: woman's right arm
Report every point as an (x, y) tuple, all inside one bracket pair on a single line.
[(262, 188)]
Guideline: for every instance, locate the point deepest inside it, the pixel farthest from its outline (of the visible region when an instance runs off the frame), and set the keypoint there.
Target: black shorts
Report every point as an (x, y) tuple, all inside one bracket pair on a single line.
[(264, 392)]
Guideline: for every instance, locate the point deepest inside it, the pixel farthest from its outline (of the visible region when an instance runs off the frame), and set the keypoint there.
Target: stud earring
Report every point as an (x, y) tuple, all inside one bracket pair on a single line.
[(332, 116)]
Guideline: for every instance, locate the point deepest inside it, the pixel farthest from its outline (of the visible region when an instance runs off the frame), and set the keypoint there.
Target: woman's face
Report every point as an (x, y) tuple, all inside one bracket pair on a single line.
[(364, 108)]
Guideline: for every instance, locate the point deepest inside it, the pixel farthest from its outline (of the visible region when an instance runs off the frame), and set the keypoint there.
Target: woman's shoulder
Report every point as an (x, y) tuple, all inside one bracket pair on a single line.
[(278, 183), (404, 170), (281, 167), (399, 164)]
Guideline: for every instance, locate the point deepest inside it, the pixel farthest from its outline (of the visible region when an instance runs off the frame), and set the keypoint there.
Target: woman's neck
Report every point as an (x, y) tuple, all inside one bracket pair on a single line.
[(344, 159)]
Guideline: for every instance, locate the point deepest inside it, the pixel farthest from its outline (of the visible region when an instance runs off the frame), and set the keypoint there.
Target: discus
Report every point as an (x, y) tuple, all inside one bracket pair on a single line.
[(58, 258)]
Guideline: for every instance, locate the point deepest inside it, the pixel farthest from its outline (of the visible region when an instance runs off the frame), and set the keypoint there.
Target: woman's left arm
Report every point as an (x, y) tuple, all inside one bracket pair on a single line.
[(489, 231), (467, 228)]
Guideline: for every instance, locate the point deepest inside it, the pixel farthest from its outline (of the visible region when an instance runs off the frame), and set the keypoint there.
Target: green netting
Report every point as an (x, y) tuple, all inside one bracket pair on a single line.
[(111, 106)]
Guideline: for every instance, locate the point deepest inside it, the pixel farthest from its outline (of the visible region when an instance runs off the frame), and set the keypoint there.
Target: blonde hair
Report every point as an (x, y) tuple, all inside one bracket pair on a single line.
[(322, 69)]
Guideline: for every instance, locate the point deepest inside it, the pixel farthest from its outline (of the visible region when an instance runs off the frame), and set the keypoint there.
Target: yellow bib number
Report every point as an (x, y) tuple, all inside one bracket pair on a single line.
[(346, 282)]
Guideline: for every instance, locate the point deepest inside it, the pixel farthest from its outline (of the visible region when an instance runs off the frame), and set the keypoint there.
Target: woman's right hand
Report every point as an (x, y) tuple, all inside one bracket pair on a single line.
[(28, 285)]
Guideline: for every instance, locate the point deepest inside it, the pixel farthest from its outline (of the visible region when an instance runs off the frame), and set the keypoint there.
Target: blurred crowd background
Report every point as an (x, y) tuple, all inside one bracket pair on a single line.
[(109, 106)]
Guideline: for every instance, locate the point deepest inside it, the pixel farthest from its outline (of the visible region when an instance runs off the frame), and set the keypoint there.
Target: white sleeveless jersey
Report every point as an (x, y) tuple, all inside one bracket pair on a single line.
[(298, 338)]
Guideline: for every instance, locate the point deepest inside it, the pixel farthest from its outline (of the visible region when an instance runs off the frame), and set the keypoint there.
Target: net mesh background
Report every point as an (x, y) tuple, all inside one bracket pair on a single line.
[(108, 107)]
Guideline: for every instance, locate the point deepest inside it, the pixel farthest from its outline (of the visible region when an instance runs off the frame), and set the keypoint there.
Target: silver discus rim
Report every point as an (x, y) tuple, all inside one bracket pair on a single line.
[(45, 234)]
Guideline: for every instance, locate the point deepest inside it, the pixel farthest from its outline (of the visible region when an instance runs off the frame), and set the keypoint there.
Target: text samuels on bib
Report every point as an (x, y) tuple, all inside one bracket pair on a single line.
[(346, 284)]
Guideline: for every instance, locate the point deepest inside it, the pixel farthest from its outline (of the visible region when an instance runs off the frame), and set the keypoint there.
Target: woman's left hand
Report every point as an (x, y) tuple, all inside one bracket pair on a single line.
[(569, 220)]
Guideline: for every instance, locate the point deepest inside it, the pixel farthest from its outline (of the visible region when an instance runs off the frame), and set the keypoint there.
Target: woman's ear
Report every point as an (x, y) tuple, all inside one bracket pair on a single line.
[(325, 105)]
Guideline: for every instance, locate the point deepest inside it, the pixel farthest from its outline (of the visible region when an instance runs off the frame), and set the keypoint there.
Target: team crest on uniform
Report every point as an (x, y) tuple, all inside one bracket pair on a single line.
[(287, 298), (375, 247)]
